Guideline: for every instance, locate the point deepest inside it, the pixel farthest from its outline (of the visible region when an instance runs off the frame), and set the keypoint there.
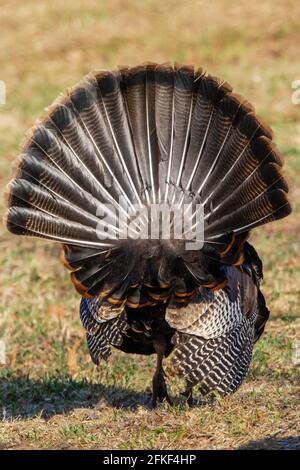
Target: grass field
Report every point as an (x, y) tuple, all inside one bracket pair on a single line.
[(51, 395)]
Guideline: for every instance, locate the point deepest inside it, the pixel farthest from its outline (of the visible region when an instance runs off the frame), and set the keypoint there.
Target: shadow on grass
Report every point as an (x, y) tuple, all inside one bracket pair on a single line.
[(273, 443), (23, 397), (26, 398)]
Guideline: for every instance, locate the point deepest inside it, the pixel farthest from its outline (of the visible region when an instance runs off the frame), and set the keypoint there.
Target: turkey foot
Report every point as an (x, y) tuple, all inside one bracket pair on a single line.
[(188, 394)]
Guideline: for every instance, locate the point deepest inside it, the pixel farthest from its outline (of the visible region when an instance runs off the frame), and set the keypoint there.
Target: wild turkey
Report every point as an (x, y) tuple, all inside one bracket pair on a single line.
[(157, 134)]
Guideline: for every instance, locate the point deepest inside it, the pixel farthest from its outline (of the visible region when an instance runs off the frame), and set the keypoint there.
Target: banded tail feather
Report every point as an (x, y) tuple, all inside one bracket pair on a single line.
[(121, 142)]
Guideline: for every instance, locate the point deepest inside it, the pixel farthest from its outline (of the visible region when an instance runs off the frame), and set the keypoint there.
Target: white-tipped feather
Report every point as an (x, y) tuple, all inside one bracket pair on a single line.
[(65, 240), (197, 162), (171, 151), (149, 144), (102, 158), (115, 140), (216, 208), (109, 212), (213, 163), (178, 179), (258, 221), (90, 174)]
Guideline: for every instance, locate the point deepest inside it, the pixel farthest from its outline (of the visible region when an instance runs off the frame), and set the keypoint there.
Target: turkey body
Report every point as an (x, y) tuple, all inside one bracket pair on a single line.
[(124, 142), (224, 324)]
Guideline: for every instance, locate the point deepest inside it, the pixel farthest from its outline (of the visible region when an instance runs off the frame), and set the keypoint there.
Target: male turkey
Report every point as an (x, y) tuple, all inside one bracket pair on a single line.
[(157, 134)]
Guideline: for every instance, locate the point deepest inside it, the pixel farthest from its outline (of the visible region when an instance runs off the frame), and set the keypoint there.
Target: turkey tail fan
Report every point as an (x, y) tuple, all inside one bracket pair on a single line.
[(139, 136)]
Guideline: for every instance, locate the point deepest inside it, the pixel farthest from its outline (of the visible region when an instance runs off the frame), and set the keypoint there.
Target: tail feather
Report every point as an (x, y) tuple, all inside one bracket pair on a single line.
[(233, 151), (139, 89), (164, 118), (111, 103), (38, 172), (259, 152), (23, 192), (183, 106), (85, 103), (209, 93), (266, 204), (260, 181), (29, 221), (77, 168), (151, 133)]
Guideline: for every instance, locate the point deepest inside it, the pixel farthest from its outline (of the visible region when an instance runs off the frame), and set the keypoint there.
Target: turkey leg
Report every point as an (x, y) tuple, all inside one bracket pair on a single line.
[(159, 388)]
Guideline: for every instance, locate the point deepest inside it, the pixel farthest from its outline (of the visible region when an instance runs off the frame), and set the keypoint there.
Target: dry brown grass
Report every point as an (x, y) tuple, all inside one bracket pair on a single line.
[(51, 394)]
